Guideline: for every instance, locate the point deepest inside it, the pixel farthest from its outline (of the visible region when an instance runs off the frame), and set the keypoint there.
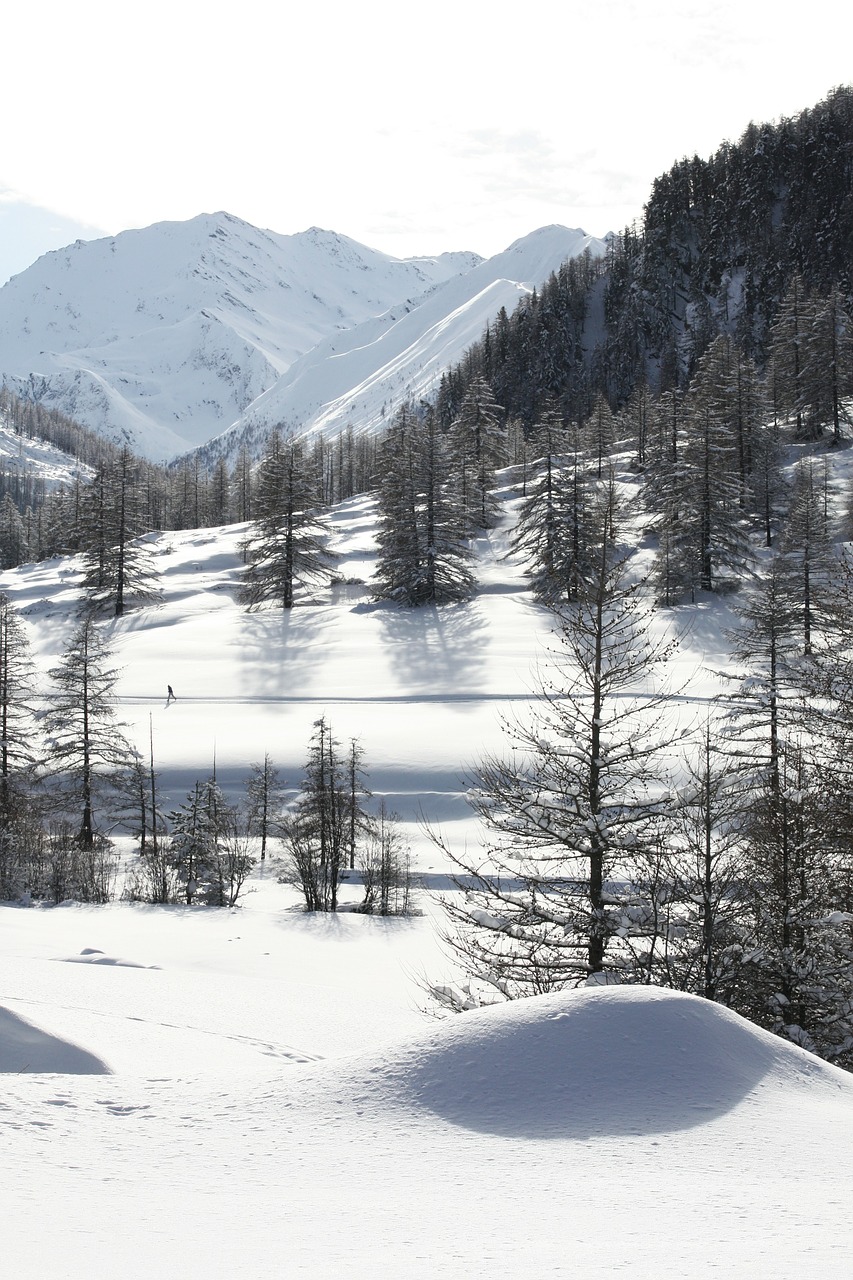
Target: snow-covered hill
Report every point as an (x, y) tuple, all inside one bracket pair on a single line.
[(167, 336)]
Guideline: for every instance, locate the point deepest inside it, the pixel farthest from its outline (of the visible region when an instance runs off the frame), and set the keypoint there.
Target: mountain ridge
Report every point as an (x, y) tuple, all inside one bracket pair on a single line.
[(165, 336)]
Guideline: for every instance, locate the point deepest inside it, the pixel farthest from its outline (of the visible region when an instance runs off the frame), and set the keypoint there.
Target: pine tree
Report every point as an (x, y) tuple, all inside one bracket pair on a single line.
[(286, 547), (118, 566), (86, 747), (575, 805)]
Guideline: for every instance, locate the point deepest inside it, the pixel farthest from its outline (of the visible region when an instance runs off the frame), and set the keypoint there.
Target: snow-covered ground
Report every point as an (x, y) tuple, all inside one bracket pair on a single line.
[(257, 1093)]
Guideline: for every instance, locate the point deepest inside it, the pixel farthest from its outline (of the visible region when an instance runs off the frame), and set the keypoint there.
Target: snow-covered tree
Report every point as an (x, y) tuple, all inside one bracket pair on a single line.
[(286, 548), (575, 806), (86, 747)]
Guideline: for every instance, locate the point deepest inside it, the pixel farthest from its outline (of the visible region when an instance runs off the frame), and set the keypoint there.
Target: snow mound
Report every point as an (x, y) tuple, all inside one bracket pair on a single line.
[(597, 1062), (25, 1050)]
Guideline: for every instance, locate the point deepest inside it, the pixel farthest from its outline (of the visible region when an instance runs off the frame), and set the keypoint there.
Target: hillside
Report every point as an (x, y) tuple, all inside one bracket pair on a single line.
[(268, 1083), (166, 336)]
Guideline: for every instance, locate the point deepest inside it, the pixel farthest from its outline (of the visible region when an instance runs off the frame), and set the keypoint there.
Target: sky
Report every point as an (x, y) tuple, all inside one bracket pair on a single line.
[(414, 130)]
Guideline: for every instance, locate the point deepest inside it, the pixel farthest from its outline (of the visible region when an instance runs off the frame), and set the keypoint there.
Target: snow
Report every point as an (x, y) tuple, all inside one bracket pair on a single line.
[(37, 457), (256, 1092), (169, 335)]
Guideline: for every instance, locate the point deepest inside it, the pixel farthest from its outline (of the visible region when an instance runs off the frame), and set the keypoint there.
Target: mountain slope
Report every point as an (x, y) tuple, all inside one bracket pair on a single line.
[(163, 336), (170, 335), (359, 377)]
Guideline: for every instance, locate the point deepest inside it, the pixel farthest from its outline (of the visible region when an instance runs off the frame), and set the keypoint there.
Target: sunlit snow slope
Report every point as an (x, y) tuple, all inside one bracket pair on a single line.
[(170, 335)]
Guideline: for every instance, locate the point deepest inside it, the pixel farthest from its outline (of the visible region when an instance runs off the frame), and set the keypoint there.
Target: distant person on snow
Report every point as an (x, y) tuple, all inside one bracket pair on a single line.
[(171, 697)]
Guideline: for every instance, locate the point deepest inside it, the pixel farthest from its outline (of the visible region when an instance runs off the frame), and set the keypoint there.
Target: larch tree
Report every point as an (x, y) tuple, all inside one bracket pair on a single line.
[(87, 749), (286, 548), (424, 553), (264, 802), (118, 565), (575, 806), (478, 444), (320, 828)]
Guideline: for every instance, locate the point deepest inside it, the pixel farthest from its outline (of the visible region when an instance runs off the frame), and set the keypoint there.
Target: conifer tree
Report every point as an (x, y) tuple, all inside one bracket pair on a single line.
[(807, 561), (578, 796), (478, 444), (19, 754), (827, 367), (13, 539), (553, 526), (321, 828), (703, 528), (800, 964), (286, 547), (264, 800), (424, 554), (87, 749), (788, 338), (118, 566)]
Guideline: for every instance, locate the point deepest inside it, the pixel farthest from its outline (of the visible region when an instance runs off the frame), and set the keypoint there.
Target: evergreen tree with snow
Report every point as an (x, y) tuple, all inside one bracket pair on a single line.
[(424, 553), (86, 747), (286, 548)]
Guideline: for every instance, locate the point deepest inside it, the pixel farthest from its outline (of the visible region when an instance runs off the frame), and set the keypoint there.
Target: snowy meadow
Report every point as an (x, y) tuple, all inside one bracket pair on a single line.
[(258, 1092)]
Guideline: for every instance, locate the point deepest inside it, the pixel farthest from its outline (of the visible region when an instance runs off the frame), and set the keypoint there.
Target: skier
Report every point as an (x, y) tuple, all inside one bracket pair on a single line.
[(171, 697)]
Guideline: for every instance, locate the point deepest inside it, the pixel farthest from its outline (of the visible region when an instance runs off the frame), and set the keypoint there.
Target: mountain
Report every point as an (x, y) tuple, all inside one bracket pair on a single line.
[(163, 336), (359, 377), (168, 335)]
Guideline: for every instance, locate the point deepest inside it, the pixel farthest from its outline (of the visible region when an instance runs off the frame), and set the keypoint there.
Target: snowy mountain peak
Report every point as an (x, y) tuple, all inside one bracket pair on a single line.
[(170, 334)]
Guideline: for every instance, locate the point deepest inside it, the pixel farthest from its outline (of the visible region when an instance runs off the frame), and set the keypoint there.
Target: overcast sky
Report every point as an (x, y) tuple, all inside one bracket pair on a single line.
[(460, 124)]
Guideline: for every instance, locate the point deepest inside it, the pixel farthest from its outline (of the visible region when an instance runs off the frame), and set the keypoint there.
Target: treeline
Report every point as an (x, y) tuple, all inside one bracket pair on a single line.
[(39, 521)]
